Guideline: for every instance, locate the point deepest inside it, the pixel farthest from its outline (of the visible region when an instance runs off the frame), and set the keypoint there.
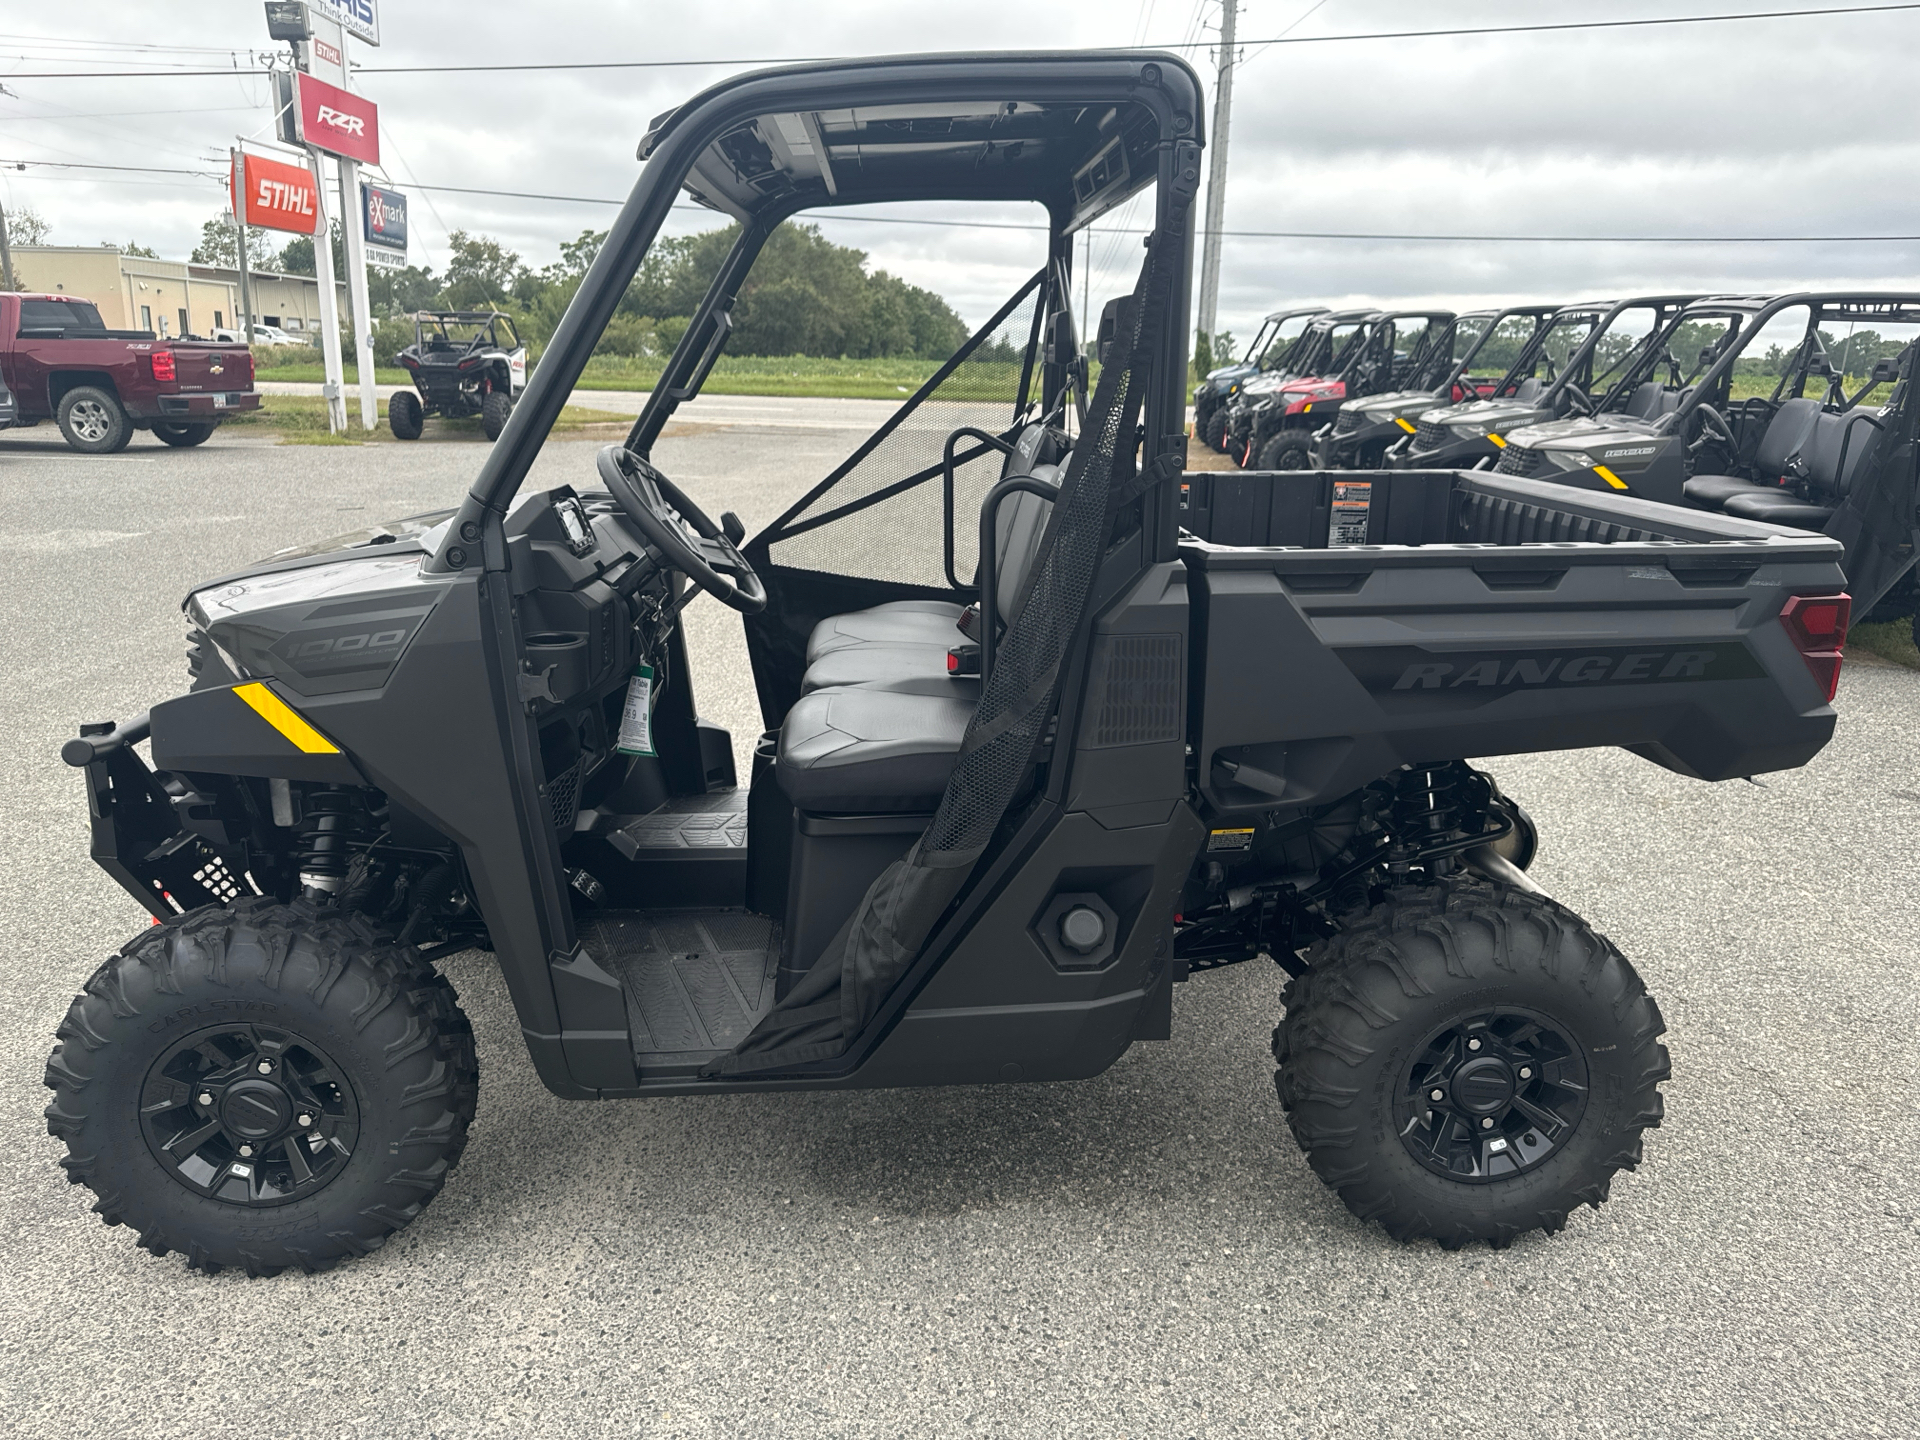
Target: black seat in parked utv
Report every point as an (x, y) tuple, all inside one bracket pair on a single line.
[(1182, 748)]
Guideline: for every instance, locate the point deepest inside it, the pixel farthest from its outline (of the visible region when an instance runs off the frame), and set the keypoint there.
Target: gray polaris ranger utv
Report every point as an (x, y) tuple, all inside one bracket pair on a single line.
[(1467, 363), (1033, 754), (1567, 369), (1793, 410)]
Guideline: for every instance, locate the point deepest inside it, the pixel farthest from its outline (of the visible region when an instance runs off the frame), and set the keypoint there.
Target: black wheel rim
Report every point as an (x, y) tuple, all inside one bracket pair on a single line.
[(1491, 1095), (249, 1115)]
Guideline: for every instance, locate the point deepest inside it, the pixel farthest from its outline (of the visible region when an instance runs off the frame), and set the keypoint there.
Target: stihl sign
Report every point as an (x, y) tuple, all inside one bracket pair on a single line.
[(335, 120), (277, 196)]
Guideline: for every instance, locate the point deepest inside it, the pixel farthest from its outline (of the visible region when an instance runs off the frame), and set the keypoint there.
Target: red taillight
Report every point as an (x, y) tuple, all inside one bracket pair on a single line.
[(1817, 625), (162, 364), (953, 663)]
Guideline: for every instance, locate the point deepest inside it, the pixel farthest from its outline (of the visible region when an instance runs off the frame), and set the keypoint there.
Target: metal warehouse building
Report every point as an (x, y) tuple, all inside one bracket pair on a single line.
[(169, 297)]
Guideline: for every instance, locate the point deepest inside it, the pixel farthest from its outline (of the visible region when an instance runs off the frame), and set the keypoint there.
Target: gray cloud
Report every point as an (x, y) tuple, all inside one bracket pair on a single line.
[(1781, 127)]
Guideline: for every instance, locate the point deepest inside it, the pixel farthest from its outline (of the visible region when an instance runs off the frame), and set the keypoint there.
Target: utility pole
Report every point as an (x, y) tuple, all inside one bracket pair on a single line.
[(6, 252), (1217, 175)]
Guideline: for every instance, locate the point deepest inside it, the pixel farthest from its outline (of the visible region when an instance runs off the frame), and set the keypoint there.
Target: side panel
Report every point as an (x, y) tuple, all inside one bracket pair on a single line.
[(1320, 678)]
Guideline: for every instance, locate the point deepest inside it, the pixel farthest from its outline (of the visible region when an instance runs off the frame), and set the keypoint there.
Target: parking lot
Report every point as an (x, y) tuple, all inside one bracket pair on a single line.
[(1143, 1254)]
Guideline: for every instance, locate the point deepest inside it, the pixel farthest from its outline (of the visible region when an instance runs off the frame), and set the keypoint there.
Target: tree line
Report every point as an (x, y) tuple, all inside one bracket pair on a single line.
[(805, 295)]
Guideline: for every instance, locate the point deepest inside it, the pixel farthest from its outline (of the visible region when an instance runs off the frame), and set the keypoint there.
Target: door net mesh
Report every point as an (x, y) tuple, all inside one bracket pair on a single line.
[(880, 515)]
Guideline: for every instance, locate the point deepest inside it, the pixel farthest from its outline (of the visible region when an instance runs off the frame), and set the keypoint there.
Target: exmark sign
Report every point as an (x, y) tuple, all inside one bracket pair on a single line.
[(335, 120), (276, 196), (383, 217), (360, 18)]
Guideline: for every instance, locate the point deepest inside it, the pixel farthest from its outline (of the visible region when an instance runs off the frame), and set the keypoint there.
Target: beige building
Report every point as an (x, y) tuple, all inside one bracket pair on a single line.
[(169, 297)]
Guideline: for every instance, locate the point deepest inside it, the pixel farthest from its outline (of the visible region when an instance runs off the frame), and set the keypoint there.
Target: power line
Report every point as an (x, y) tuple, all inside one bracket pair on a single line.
[(724, 61), (1372, 235)]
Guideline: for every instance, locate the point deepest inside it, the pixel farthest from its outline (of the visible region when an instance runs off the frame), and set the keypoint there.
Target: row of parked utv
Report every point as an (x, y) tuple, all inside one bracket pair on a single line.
[(1768, 408)]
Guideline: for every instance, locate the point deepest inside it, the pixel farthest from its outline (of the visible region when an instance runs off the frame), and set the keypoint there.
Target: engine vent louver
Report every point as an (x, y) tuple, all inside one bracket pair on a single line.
[(1138, 684)]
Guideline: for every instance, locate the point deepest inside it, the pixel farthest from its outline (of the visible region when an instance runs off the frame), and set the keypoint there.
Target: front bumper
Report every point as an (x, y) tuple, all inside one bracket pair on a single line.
[(137, 837), (1455, 455)]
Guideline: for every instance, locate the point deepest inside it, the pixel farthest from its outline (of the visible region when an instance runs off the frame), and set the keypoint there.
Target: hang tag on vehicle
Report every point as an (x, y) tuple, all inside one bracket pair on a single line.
[(636, 721), (1352, 505)]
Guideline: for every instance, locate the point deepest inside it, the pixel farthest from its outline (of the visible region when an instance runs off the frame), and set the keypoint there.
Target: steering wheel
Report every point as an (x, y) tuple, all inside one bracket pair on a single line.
[(680, 530), (1713, 426), (1580, 400)]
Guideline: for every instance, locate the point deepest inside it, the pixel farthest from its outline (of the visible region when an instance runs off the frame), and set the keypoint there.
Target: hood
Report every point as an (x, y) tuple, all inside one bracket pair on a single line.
[(321, 618), (1499, 415), (386, 532), (1607, 439), (1380, 408)]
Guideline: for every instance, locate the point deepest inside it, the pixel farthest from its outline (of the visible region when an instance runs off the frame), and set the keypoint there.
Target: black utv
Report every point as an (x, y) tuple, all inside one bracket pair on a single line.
[(462, 363), (1033, 754), (1481, 347), (1567, 368), (1280, 424), (1791, 410), (1269, 351)]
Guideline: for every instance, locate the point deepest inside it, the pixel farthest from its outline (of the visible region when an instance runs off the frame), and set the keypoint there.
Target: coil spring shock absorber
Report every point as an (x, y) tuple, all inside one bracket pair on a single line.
[(1426, 808), (332, 823)]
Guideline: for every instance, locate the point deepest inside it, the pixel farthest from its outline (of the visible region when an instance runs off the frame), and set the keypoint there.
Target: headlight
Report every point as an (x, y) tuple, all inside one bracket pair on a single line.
[(1467, 432)]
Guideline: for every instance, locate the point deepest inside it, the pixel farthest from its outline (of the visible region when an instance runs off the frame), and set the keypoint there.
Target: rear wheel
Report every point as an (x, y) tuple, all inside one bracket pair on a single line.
[(1469, 1062), (494, 411), (405, 417), (182, 437), (262, 1086), (93, 421), (1285, 451)]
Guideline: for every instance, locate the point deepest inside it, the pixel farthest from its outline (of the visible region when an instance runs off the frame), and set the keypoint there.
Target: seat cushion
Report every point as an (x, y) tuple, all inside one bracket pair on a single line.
[(1780, 507), (903, 669), (928, 623), (1713, 491), (858, 750)]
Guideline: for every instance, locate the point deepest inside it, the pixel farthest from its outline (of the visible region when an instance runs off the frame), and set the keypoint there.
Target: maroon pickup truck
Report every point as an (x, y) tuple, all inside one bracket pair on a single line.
[(101, 385)]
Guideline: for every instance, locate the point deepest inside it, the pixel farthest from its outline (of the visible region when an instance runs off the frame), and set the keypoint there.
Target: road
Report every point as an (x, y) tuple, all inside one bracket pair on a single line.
[(1144, 1254)]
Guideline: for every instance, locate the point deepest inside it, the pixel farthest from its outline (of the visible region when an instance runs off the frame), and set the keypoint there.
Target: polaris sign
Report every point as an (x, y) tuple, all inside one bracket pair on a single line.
[(357, 17), (384, 218)]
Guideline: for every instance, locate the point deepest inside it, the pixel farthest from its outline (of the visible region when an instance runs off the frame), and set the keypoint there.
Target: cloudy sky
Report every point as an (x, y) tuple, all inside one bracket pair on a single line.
[(1780, 127)]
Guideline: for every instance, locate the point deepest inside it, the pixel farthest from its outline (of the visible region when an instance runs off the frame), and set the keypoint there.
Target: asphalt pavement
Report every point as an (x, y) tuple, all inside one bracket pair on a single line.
[(1144, 1254)]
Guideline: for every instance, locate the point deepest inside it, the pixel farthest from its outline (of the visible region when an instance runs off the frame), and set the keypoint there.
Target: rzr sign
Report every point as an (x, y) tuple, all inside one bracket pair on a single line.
[(335, 120), (278, 196)]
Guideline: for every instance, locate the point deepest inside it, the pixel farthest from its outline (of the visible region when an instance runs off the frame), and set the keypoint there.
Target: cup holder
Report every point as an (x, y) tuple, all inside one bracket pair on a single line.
[(562, 657)]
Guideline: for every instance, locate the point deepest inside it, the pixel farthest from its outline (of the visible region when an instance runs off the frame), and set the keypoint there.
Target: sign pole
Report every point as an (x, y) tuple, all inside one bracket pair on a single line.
[(239, 198), (334, 389), (351, 229)]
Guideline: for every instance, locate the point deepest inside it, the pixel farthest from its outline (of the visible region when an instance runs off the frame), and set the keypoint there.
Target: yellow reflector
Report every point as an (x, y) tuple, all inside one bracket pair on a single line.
[(1497, 440), (1612, 479), (1306, 407), (1406, 425), (284, 718)]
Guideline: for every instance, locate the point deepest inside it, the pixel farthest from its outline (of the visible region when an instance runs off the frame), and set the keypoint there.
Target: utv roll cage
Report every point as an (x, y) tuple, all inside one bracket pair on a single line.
[(430, 330), (1087, 133)]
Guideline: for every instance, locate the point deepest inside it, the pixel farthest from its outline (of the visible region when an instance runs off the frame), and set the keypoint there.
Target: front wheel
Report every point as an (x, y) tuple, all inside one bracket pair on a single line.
[(182, 436), (1469, 1062), (262, 1086), (1214, 431), (1285, 451), (93, 420)]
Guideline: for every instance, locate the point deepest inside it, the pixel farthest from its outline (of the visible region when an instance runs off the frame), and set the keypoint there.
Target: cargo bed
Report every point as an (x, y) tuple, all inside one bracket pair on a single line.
[(1356, 621)]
